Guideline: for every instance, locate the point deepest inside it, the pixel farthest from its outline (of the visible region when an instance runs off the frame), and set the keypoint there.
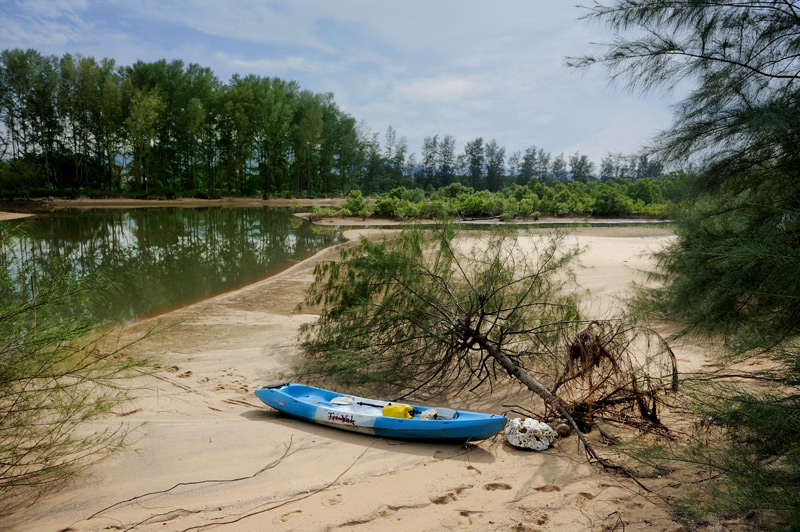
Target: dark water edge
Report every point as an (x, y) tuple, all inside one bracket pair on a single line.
[(151, 260)]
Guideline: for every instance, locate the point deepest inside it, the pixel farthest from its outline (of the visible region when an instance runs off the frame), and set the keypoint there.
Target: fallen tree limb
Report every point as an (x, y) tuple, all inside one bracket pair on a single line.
[(550, 399)]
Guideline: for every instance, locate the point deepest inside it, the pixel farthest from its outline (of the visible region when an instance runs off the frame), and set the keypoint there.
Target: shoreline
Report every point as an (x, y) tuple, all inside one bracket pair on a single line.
[(10, 210), (195, 418), (13, 210)]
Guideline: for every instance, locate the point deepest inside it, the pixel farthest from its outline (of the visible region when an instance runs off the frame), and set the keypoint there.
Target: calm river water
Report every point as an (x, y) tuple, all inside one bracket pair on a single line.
[(159, 259)]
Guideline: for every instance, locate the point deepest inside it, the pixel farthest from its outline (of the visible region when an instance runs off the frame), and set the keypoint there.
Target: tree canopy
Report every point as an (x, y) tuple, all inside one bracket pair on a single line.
[(78, 125)]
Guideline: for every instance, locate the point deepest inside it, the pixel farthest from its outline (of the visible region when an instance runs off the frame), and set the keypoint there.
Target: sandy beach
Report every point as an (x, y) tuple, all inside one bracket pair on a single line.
[(205, 453), (85, 203)]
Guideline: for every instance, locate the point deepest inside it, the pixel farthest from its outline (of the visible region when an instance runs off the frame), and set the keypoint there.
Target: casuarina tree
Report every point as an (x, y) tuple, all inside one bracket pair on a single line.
[(732, 273)]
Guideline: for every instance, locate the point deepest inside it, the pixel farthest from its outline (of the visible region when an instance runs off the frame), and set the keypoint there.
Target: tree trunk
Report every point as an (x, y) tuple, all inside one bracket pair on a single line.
[(551, 399)]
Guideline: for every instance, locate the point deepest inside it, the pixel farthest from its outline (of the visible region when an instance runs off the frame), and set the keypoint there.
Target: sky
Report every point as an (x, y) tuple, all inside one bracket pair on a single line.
[(465, 68)]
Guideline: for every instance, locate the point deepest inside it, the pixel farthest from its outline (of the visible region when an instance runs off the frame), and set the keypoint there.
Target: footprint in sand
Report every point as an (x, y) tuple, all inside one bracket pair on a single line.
[(548, 488), (185, 374), (536, 516), (286, 517), (336, 499), (450, 496), (494, 486), (445, 498), (540, 518)]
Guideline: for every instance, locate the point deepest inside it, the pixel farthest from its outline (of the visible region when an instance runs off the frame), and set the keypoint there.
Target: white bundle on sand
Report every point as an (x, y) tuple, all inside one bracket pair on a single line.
[(529, 434)]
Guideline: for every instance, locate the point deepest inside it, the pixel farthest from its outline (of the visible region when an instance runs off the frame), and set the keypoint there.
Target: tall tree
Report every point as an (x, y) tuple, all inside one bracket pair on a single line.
[(395, 152), (608, 169), (446, 164), (46, 128), (514, 164), (350, 153), (274, 114), (145, 109), (544, 165), (528, 166), (559, 169), (108, 124), (733, 270), (307, 140), (17, 81), (495, 165), (200, 86), (581, 167), (430, 157), (474, 160), (374, 171)]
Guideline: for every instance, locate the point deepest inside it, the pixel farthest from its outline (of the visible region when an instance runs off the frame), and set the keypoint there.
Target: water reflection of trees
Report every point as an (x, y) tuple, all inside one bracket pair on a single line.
[(156, 259)]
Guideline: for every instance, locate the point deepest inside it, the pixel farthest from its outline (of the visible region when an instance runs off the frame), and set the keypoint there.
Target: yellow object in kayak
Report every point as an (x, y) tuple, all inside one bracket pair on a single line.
[(403, 411)]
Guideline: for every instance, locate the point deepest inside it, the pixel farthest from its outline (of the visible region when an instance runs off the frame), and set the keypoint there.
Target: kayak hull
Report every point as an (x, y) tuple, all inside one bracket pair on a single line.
[(365, 415)]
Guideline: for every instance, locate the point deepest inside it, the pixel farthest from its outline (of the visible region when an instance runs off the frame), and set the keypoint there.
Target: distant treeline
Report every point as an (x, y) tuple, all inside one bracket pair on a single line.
[(73, 125)]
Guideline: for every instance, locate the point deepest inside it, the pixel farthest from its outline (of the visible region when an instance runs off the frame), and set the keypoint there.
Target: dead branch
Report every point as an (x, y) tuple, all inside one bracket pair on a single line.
[(614, 372)]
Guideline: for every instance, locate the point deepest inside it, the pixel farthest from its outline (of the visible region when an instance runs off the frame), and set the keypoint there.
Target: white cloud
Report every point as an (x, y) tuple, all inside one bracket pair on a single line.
[(266, 65), (462, 67), (443, 89)]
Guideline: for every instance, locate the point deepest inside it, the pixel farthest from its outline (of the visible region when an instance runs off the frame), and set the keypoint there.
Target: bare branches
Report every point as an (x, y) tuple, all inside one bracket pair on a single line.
[(613, 371)]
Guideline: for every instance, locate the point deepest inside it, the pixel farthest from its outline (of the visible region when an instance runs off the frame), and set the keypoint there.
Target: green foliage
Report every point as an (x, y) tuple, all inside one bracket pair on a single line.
[(72, 121), (318, 213), (418, 310), (355, 202), (416, 195), (174, 125), (386, 206), (732, 274), (610, 202), (452, 191), (439, 210), (481, 203), (738, 420), (733, 271), (645, 191), (53, 379), (603, 199)]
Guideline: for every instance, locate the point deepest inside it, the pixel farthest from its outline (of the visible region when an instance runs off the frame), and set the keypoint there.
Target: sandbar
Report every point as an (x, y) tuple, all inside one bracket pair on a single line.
[(205, 451)]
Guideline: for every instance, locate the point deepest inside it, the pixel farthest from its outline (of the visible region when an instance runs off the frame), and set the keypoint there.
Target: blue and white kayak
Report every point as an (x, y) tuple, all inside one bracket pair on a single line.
[(366, 415)]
